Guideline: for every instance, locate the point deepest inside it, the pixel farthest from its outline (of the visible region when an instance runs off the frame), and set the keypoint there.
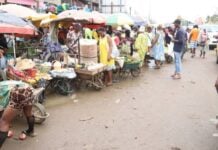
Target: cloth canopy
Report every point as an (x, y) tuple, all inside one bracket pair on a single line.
[(17, 10), (118, 19), (15, 25)]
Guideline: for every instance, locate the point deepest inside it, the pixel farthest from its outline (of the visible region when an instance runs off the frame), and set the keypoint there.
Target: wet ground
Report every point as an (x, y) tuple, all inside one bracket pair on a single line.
[(152, 112)]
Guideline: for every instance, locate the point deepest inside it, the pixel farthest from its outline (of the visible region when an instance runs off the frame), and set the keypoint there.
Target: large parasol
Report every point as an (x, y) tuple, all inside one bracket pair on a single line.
[(10, 24), (119, 19), (17, 10)]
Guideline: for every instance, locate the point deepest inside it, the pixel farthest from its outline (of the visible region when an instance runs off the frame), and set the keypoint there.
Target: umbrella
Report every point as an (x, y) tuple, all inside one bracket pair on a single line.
[(98, 18), (119, 19), (139, 21), (15, 25), (79, 16), (39, 18), (17, 10), (11, 24)]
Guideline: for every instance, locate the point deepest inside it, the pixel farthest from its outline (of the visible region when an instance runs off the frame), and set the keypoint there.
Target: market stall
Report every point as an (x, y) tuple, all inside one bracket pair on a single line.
[(88, 70), (22, 70)]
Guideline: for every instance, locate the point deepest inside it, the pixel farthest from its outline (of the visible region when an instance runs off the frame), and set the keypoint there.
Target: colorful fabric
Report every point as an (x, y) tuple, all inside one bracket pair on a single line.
[(193, 44), (158, 48), (95, 35), (116, 40), (141, 45), (72, 41), (21, 97), (104, 51), (194, 34), (88, 33)]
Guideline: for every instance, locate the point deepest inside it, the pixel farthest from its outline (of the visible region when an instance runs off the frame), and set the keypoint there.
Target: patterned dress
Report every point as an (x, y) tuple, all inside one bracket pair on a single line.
[(21, 97)]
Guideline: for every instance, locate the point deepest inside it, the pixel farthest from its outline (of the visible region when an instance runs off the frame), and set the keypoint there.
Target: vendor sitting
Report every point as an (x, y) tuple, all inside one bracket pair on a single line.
[(73, 37), (3, 65), (3, 43)]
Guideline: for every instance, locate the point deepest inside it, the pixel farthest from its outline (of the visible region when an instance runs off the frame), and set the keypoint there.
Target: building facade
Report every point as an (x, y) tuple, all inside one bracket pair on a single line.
[(21, 2), (113, 6), (92, 4)]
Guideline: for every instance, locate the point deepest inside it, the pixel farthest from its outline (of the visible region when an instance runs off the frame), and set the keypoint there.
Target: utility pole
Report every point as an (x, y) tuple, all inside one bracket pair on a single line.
[(130, 11), (100, 6), (112, 5), (149, 10), (120, 6)]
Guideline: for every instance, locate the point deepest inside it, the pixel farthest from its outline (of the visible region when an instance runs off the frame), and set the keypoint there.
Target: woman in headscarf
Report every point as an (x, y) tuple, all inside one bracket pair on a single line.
[(158, 47), (142, 44)]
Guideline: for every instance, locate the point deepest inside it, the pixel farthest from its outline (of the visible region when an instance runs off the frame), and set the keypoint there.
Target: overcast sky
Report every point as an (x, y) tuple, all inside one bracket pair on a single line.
[(167, 10)]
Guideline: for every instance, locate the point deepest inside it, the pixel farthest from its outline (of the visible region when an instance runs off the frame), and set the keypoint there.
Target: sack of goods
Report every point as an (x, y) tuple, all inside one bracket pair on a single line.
[(88, 51)]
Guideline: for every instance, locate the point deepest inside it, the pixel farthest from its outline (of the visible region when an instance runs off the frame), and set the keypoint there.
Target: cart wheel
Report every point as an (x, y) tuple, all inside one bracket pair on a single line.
[(97, 86), (77, 84), (63, 87), (124, 74), (39, 113), (169, 59), (135, 72)]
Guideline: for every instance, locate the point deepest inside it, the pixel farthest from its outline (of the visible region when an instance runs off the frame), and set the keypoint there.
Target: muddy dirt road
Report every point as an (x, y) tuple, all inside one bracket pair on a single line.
[(152, 112)]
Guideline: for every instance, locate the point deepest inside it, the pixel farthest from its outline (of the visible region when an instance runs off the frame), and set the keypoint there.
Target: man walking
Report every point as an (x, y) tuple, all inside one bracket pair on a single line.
[(179, 41), (193, 39)]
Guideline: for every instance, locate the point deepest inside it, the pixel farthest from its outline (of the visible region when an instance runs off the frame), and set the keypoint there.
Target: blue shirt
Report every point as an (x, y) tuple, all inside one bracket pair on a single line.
[(3, 63), (180, 40)]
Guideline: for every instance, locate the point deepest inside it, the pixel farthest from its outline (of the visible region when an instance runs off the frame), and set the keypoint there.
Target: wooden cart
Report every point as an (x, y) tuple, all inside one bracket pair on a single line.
[(91, 78)]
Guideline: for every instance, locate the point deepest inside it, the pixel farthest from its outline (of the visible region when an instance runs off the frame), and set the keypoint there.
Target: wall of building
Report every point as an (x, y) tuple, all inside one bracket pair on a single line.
[(115, 6)]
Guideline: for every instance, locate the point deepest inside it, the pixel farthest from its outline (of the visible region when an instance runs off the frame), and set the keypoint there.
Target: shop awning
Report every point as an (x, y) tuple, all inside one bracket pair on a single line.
[(22, 2)]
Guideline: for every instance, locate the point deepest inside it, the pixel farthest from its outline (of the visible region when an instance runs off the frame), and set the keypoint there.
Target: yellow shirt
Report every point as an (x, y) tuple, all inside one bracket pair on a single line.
[(141, 44), (194, 34), (104, 48), (95, 35)]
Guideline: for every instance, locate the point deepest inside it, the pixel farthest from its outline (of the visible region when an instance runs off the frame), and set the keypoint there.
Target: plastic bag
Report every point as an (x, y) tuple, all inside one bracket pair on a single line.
[(115, 52)]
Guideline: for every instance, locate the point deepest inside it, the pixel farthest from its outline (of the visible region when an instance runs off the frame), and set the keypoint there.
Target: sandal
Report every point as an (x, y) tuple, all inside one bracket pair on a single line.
[(109, 84), (10, 134), (176, 77), (157, 67), (173, 75), (24, 135)]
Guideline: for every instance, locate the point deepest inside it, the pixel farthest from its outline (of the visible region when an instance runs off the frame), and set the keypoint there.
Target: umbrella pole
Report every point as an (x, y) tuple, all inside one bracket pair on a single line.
[(79, 50), (14, 48)]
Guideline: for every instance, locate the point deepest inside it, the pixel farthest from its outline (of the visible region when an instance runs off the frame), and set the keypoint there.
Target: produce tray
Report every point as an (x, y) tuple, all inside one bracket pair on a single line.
[(90, 72)]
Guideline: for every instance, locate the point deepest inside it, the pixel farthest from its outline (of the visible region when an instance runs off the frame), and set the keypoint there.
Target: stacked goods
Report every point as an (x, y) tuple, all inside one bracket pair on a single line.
[(24, 64), (88, 51)]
